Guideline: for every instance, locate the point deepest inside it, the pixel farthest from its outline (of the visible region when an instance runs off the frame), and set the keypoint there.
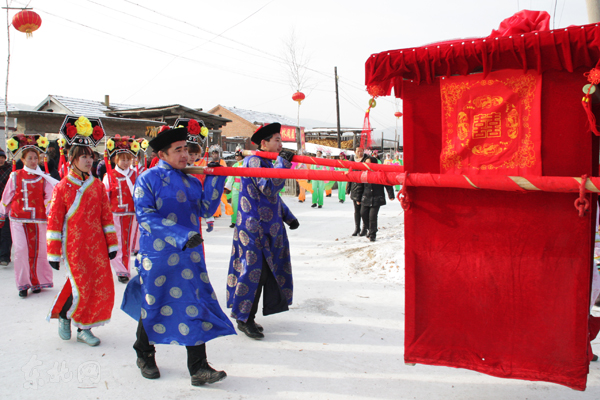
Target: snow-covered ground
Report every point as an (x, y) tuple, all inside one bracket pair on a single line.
[(342, 339)]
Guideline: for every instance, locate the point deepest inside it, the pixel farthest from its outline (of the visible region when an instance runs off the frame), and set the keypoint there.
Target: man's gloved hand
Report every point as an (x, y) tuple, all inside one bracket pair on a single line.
[(294, 224), (55, 265), (112, 255), (213, 164), (226, 191), (286, 155), (196, 240)]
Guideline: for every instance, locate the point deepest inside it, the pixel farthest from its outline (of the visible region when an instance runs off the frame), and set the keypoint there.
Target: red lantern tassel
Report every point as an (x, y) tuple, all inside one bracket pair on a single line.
[(586, 102), (365, 135), (46, 164)]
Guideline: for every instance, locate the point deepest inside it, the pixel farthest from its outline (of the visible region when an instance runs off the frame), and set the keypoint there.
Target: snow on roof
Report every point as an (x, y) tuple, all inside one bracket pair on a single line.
[(89, 108), (313, 148), (261, 117), (10, 106)]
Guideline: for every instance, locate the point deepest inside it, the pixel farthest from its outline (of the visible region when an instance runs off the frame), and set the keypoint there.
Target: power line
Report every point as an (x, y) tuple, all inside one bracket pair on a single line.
[(218, 67)]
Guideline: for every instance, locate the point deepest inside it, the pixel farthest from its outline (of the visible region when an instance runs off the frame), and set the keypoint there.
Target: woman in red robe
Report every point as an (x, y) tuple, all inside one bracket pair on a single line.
[(81, 231)]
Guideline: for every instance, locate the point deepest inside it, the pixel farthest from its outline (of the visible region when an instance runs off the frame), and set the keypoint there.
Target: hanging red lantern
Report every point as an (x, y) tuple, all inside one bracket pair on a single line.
[(27, 22), (298, 96), (398, 114)]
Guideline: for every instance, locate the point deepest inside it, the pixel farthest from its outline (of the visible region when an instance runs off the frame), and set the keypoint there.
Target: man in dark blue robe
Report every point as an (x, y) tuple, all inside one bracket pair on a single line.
[(260, 258)]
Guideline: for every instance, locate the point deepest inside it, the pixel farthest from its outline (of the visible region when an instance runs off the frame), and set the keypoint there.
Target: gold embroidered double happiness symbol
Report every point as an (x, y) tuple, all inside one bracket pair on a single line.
[(487, 126), (488, 122)]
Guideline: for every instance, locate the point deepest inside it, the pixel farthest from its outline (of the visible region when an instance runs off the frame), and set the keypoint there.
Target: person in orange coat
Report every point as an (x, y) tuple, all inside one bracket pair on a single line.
[(82, 233)]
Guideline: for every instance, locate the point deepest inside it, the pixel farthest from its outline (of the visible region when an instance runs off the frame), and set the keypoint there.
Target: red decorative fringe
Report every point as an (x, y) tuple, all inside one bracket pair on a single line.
[(365, 135)]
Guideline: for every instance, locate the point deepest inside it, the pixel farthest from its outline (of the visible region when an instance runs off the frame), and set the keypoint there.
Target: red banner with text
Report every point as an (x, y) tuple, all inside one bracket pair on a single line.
[(288, 133), (492, 125)]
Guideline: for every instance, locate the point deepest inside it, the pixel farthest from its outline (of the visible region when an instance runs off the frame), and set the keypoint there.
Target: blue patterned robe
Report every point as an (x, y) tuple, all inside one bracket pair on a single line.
[(180, 305), (260, 234)]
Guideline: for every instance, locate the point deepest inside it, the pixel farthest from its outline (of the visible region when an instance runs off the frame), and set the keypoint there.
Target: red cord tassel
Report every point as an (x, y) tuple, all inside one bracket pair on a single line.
[(14, 167), (586, 102), (365, 135), (46, 164)]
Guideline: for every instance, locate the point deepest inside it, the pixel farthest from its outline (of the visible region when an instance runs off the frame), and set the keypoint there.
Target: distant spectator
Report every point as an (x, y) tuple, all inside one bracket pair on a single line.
[(355, 190), (372, 199)]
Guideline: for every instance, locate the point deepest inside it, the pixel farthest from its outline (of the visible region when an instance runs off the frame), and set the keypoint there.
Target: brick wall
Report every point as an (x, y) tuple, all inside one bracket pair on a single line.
[(238, 126)]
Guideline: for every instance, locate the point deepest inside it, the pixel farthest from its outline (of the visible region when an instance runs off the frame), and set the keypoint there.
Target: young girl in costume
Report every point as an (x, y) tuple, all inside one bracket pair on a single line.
[(119, 183), (26, 196), (81, 231), (140, 168)]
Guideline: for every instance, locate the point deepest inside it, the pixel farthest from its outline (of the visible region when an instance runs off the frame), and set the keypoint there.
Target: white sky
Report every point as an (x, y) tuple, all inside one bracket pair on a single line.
[(158, 60)]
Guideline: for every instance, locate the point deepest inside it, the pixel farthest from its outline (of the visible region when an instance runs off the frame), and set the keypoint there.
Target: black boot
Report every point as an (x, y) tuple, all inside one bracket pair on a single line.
[(23, 293), (147, 364), (356, 231), (314, 205), (363, 232), (250, 329), (207, 374), (372, 238)]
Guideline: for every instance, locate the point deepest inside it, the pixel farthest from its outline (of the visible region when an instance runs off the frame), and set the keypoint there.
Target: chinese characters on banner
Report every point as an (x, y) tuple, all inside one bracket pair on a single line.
[(288, 134), (492, 125)]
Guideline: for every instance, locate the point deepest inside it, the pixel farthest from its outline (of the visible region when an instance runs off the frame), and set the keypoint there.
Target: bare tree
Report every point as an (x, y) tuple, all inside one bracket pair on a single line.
[(296, 61)]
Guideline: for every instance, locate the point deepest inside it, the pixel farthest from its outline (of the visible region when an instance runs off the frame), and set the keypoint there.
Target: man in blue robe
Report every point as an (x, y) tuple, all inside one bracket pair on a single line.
[(260, 257), (179, 304)]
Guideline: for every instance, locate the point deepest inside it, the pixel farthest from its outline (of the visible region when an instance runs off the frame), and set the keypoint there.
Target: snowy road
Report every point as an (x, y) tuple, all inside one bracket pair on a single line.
[(342, 339)]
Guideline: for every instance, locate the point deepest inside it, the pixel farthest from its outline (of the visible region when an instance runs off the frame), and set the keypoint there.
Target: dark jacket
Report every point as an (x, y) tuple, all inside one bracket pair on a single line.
[(354, 189), (373, 195)]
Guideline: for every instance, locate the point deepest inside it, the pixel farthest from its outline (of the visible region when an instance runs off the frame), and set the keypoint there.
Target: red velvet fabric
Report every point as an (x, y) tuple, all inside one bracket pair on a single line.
[(524, 21), (562, 50), (499, 282)]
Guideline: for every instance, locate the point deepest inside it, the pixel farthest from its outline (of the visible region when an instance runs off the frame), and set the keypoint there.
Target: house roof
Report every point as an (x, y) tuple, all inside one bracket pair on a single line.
[(173, 111), (258, 118), (10, 106), (89, 108)]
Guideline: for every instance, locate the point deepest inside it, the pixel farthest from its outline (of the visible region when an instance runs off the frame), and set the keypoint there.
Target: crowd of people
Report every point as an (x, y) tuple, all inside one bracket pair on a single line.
[(90, 215)]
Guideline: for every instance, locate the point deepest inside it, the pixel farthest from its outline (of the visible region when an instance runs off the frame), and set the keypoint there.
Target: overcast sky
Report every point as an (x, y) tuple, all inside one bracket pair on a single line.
[(152, 52)]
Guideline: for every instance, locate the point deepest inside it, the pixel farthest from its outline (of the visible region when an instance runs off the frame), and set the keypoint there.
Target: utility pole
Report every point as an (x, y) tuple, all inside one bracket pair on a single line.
[(593, 10), (337, 107)]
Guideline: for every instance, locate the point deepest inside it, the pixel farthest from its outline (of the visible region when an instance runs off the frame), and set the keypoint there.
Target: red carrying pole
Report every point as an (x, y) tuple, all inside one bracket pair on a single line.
[(329, 162), (477, 182)]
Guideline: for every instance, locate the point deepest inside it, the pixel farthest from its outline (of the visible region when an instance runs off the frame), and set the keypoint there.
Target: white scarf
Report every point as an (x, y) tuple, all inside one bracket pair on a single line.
[(39, 172), (127, 174)]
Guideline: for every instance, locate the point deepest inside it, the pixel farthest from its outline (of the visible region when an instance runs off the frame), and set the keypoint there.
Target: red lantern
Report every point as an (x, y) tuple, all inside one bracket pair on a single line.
[(298, 96), (27, 21), (398, 114)]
